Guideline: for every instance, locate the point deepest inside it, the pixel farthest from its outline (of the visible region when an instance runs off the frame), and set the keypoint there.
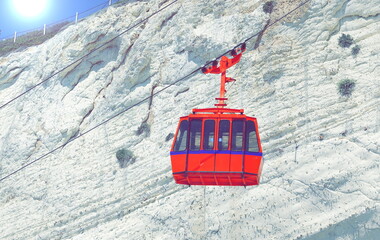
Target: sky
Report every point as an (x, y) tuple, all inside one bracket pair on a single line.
[(12, 19)]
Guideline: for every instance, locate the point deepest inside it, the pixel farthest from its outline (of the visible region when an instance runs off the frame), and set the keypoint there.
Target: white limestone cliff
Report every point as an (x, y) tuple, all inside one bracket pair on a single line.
[(321, 173)]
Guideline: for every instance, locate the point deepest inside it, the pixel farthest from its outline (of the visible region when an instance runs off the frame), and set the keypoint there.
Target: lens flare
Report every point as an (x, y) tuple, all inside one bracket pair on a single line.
[(29, 8)]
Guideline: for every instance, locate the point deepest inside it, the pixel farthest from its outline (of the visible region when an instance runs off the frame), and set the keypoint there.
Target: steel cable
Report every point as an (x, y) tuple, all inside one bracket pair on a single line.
[(86, 55), (141, 101)]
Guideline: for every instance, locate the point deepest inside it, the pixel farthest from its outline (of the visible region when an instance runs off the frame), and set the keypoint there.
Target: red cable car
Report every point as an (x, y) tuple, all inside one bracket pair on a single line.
[(218, 146)]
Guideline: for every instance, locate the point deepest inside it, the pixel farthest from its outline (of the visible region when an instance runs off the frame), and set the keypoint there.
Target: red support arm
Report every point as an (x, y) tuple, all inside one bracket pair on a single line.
[(224, 64)]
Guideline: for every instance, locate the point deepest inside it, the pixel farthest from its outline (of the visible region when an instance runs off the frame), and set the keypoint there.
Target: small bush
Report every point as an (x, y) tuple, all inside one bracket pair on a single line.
[(143, 129), (321, 137), (345, 41), (346, 87), (125, 157), (355, 50), (268, 7), (169, 137)]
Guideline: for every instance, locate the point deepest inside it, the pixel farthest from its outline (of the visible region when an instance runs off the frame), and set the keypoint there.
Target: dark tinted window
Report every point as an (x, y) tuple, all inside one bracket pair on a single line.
[(195, 134), (181, 138), (237, 135), (251, 137), (209, 135), (224, 134)]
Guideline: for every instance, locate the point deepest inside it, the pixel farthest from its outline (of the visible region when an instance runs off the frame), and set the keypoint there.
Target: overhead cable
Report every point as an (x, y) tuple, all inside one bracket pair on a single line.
[(136, 104), (86, 55)]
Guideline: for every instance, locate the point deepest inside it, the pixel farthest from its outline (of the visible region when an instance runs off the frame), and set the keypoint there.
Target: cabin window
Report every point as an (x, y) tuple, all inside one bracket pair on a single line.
[(251, 138), (224, 134), (195, 134), (209, 135), (181, 140), (237, 135)]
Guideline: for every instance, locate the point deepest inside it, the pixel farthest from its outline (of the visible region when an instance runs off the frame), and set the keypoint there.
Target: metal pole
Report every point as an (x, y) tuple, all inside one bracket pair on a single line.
[(14, 39), (76, 18), (44, 29)]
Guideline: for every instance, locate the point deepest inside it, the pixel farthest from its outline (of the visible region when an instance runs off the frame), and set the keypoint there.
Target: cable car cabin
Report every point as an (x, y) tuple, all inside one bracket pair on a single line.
[(217, 147)]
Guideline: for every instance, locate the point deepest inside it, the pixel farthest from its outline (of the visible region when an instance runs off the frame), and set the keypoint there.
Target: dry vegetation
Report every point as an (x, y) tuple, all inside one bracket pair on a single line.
[(30, 39)]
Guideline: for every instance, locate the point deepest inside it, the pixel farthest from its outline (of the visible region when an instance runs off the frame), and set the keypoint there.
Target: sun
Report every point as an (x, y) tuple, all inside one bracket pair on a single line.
[(29, 8)]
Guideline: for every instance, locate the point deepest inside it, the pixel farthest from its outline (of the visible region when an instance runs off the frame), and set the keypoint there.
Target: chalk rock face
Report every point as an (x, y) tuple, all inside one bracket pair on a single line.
[(320, 177)]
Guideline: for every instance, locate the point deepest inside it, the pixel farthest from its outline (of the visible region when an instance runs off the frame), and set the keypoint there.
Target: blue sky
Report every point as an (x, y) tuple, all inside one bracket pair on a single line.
[(56, 10)]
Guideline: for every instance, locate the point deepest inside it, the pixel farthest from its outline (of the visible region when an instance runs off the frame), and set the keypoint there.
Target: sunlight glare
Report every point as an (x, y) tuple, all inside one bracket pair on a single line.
[(29, 8)]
